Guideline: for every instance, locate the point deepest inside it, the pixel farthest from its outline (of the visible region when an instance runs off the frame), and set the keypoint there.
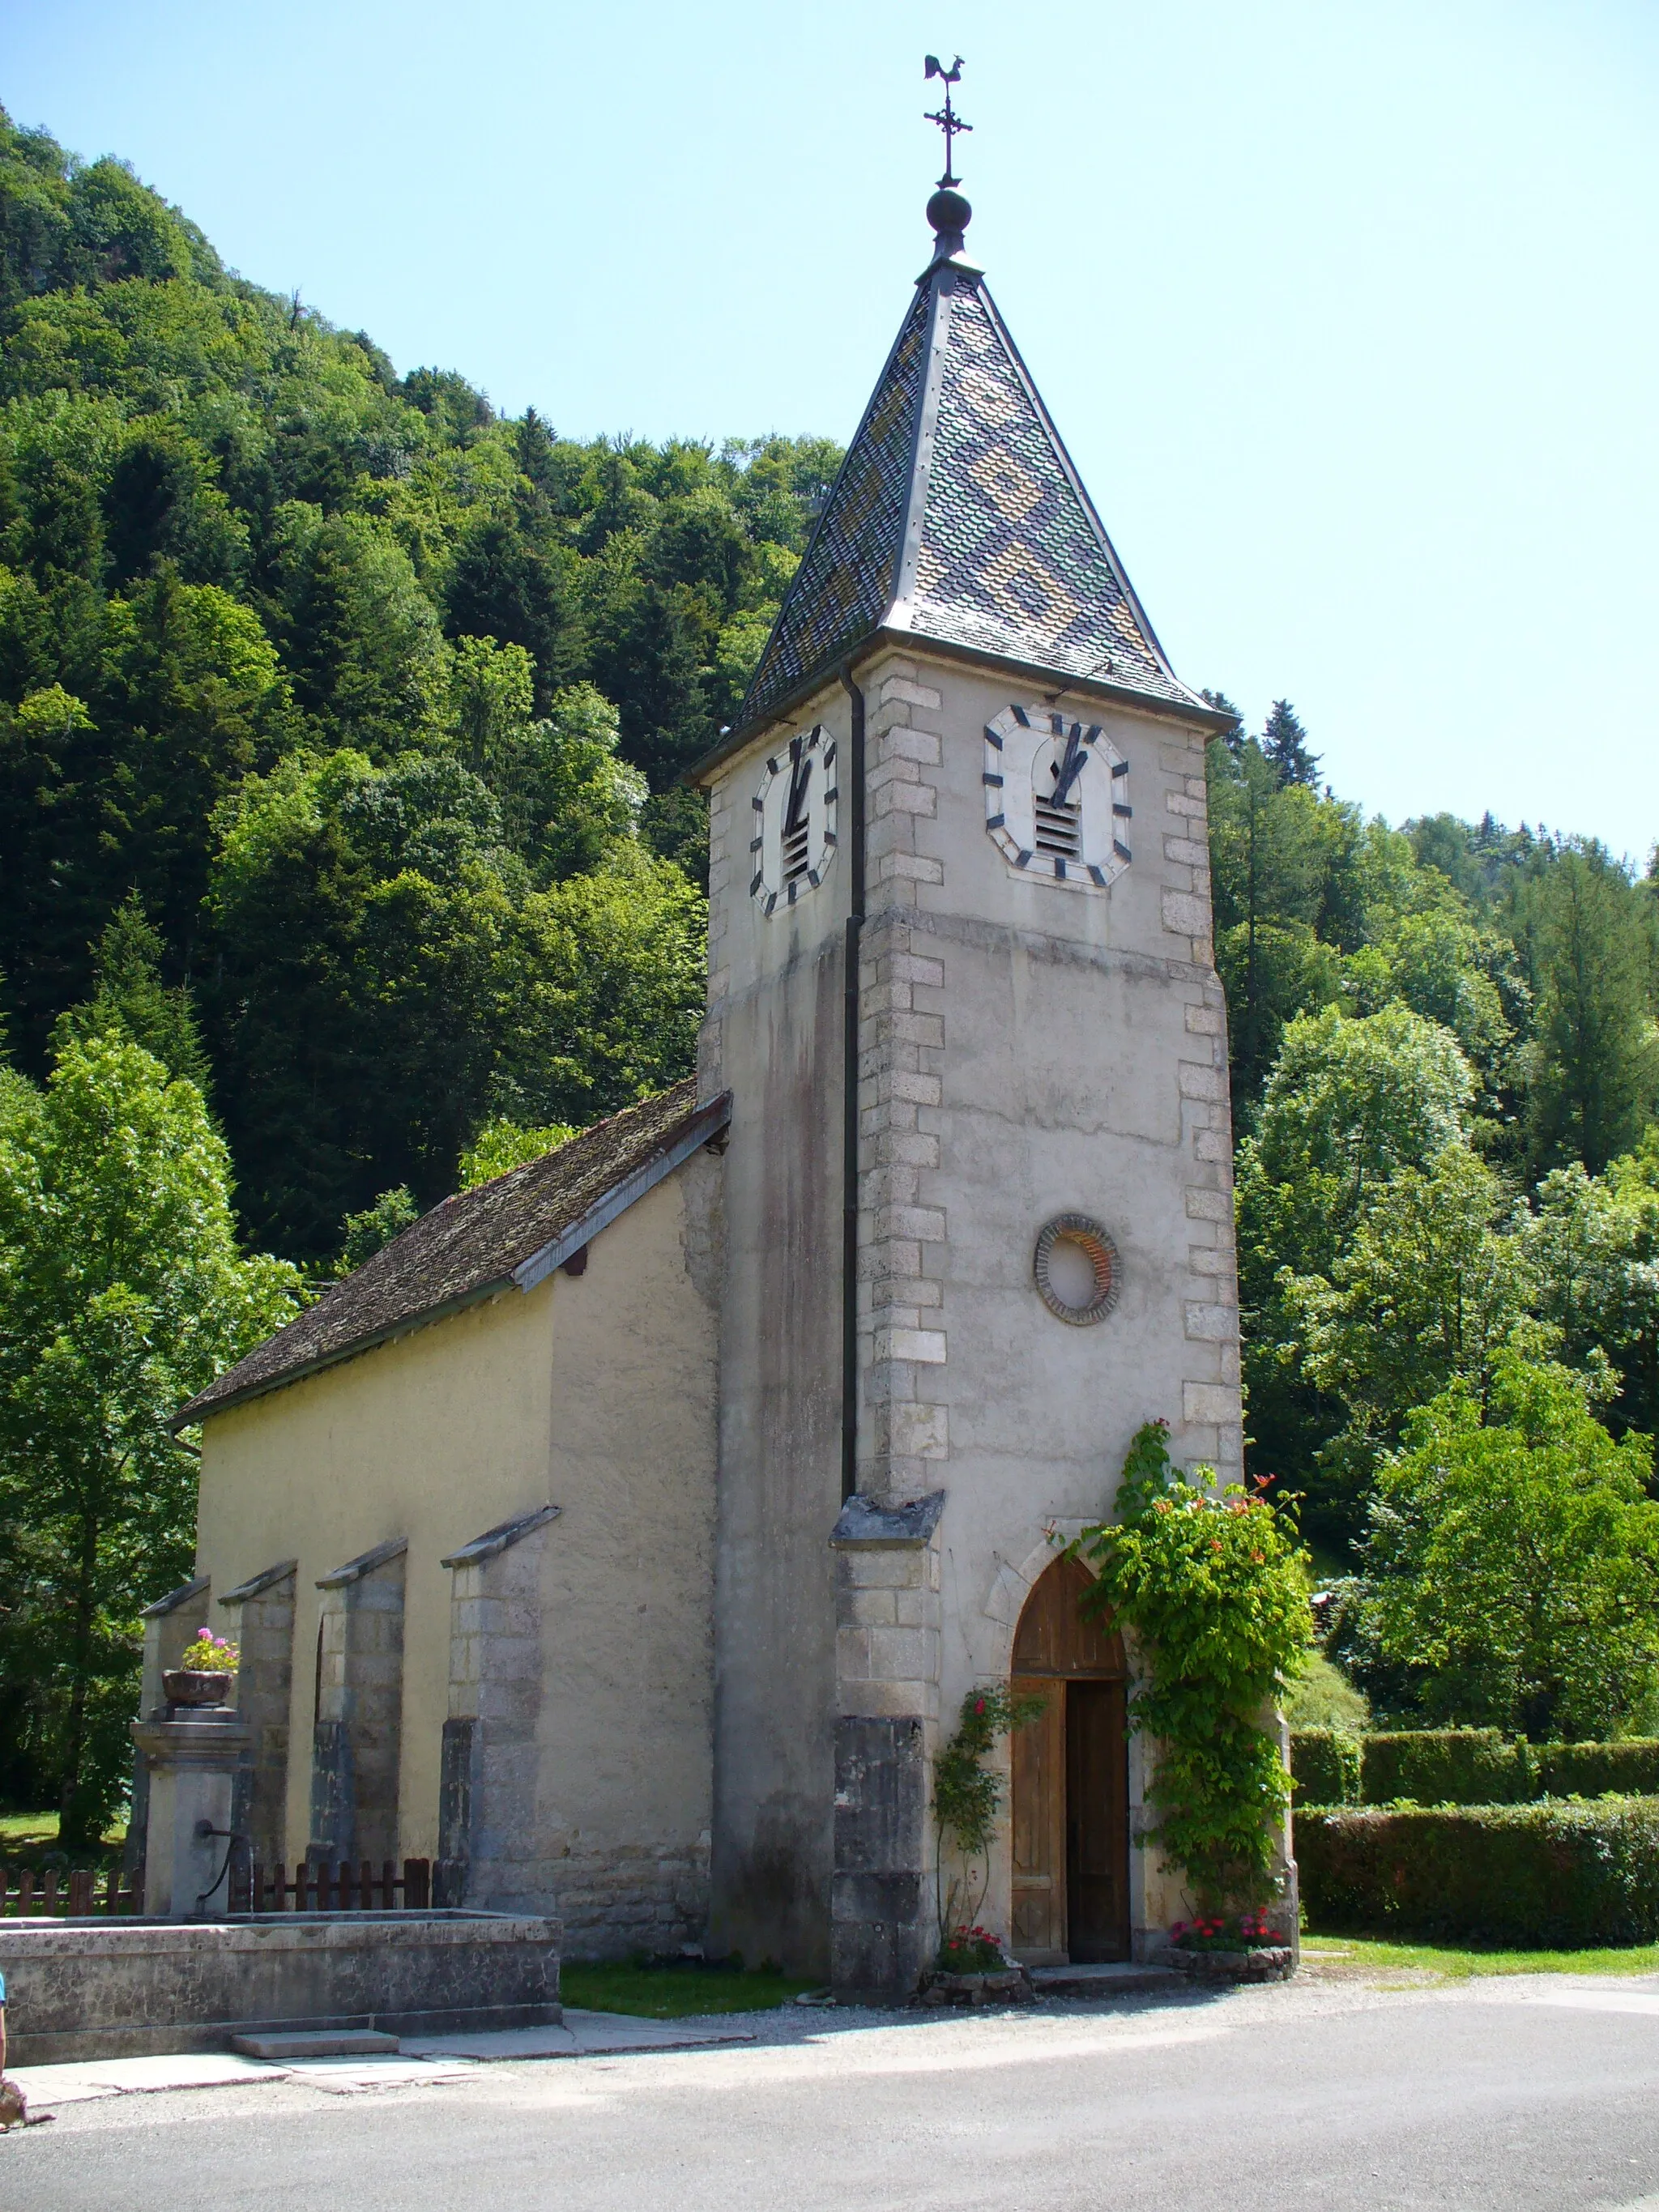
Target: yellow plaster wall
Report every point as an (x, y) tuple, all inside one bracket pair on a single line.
[(596, 1393)]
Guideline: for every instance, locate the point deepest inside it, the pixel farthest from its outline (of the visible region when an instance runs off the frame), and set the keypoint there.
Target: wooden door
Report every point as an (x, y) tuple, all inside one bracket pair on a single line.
[(1070, 1779), (1038, 1911), (1096, 1822)]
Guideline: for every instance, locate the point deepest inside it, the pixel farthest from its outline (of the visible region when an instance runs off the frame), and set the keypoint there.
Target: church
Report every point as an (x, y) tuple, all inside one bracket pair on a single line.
[(627, 1534)]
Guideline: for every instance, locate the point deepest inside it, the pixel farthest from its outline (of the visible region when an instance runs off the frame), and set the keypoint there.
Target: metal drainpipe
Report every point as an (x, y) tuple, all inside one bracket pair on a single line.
[(849, 1210)]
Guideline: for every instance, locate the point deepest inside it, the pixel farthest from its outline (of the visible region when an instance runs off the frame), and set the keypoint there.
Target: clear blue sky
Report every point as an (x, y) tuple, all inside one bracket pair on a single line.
[(1348, 312)]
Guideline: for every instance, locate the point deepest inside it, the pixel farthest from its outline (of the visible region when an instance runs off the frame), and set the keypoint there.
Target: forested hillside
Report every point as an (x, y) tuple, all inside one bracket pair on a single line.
[(342, 860), (375, 701), (1445, 1073)]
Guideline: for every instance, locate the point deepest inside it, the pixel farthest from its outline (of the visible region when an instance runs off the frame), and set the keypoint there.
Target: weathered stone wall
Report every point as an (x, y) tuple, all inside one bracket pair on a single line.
[(497, 1849), (170, 1624), (633, 1897), (887, 1664), (1063, 1052), (357, 1734), (772, 1037), (429, 1438), (259, 1619), (492, 1852)]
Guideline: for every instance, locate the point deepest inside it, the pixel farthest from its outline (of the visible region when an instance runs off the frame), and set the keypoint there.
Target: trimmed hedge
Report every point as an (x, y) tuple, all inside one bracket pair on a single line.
[(1565, 1876), (1324, 1766), (1463, 1766), (1447, 1766), (1587, 1770)]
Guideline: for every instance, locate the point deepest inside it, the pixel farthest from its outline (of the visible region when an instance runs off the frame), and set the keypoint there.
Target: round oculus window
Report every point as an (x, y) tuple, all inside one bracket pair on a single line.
[(1077, 1269)]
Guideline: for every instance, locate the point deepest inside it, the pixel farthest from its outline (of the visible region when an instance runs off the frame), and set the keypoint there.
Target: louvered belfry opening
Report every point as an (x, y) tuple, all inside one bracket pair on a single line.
[(795, 842), (1058, 827)]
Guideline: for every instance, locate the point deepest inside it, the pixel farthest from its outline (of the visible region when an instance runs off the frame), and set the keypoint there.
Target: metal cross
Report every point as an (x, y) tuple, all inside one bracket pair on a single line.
[(947, 117)]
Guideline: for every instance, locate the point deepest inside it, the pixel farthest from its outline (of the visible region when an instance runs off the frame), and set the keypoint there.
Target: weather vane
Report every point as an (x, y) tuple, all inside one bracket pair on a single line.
[(947, 117)]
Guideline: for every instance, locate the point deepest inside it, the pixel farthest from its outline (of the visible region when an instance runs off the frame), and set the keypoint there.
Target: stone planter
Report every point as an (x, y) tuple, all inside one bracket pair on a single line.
[(1272, 1962), (194, 1685), (1008, 1985)]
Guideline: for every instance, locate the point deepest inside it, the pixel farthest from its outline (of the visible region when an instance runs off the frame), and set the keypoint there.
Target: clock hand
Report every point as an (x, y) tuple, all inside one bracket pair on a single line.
[(800, 777), (1070, 768)]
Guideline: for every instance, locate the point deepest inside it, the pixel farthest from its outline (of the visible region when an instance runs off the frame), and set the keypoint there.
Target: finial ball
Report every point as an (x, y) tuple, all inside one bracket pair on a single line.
[(948, 210)]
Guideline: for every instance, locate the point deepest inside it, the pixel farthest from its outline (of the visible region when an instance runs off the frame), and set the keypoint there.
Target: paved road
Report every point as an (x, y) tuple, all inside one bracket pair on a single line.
[(1329, 2094)]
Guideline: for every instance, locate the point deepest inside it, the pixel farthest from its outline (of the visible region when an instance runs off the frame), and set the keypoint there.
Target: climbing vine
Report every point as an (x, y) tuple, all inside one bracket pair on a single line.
[(1215, 1592), (966, 1795)]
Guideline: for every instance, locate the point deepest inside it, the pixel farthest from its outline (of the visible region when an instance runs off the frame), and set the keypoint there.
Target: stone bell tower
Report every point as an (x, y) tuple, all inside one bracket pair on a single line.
[(978, 1208)]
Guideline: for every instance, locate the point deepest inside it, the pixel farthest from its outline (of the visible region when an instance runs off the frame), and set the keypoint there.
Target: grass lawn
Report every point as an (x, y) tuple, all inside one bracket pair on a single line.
[(1457, 1964), (27, 1831), (26, 1836), (673, 1992)]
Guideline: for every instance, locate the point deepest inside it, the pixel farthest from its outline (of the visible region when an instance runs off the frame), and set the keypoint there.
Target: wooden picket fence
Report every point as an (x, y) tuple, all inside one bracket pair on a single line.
[(81, 1893), (76, 1894), (341, 1888)]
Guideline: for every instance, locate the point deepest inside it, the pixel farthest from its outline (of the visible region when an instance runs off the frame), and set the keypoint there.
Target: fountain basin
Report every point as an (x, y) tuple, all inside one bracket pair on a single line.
[(125, 1988)]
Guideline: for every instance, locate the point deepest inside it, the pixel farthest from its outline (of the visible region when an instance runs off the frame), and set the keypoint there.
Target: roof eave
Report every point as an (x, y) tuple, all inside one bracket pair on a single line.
[(704, 1123), (197, 1410), (1186, 708), (744, 734)]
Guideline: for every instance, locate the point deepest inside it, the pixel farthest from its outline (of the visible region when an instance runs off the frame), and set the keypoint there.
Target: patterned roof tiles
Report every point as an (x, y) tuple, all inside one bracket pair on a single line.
[(957, 517), (844, 584), (1012, 559)]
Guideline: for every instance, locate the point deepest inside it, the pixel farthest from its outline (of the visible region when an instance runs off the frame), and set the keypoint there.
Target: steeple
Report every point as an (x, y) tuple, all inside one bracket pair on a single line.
[(957, 517)]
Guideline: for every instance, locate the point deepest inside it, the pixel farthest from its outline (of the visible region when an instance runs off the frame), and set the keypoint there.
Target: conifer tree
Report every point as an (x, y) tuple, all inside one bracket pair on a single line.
[(1285, 742), (131, 1000), (1595, 1065)]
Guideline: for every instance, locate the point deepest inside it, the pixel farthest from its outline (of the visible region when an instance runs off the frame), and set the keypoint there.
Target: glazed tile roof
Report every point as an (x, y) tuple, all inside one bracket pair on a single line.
[(503, 1233), (843, 587), (957, 517)]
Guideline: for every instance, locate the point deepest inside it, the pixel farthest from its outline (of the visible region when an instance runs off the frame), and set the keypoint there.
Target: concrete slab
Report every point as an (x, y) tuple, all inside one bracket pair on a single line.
[(585, 2035), (318, 2043), (1116, 1979), (499, 2042), (48, 2085), (347, 2077), (617, 2031)]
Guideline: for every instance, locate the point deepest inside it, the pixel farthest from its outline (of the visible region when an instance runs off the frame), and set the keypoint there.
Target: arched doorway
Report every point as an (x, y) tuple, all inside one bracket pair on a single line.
[(1071, 1781)]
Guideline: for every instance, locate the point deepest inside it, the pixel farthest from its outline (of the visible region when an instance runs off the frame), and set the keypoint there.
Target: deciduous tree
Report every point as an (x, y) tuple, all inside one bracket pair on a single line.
[(121, 1293), (1511, 1566)]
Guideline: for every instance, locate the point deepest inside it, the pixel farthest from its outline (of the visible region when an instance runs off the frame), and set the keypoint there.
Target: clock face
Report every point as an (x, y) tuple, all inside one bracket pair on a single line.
[(1057, 797), (795, 835)]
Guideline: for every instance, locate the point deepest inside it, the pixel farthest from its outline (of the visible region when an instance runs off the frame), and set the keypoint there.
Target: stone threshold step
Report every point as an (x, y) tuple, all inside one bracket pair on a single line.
[(318, 2043), (1117, 1979)]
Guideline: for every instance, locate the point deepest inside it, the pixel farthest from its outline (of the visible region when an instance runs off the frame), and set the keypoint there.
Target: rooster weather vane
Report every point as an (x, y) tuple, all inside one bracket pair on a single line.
[(947, 117)]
